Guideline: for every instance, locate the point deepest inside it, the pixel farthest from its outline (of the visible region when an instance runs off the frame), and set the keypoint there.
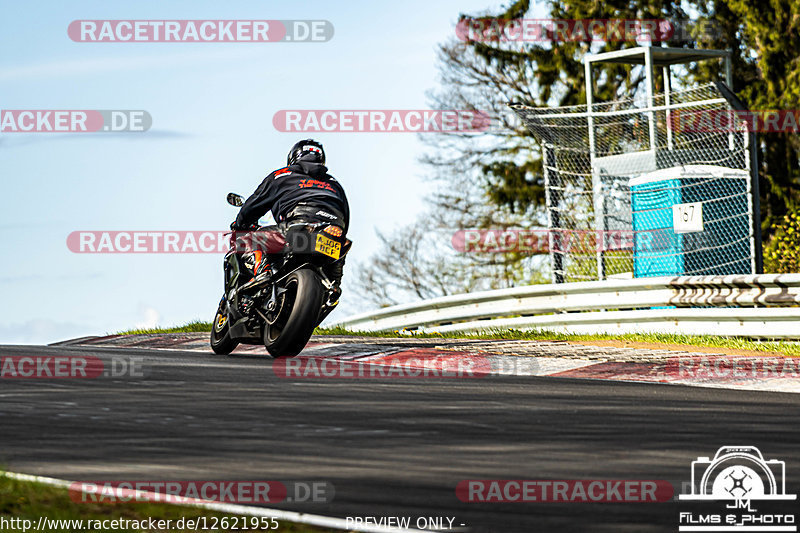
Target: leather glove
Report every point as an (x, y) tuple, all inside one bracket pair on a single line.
[(238, 227)]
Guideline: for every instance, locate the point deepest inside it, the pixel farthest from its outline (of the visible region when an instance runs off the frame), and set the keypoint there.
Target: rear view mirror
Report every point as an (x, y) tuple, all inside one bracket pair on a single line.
[(235, 200)]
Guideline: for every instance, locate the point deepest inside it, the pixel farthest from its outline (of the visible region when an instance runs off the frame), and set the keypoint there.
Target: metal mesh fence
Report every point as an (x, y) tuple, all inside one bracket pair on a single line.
[(647, 190)]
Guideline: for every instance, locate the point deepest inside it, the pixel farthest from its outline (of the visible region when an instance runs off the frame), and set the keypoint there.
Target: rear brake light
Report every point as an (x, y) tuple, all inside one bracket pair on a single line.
[(336, 231)]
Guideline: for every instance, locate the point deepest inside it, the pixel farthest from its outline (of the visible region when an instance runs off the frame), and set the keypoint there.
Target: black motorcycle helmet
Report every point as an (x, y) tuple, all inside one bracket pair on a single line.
[(306, 149)]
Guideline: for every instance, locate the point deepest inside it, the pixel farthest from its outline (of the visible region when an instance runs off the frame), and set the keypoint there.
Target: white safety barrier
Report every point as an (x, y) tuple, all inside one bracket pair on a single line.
[(764, 305)]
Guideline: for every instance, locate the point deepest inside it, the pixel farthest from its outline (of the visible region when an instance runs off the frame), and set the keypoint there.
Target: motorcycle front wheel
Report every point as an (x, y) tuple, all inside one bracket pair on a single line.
[(291, 323), (221, 342)]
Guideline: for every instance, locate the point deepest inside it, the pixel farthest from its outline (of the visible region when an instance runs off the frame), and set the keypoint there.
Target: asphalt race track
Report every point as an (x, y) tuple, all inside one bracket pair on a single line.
[(389, 447)]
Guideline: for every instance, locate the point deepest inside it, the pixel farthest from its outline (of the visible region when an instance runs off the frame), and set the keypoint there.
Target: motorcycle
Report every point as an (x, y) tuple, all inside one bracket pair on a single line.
[(276, 290)]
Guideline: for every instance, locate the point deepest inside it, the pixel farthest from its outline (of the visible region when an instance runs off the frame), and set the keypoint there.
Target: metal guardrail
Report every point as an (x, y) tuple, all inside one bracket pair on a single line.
[(764, 305)]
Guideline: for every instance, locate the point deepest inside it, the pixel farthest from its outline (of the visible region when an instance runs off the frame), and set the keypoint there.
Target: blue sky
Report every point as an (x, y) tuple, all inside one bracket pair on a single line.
[(212, 108)]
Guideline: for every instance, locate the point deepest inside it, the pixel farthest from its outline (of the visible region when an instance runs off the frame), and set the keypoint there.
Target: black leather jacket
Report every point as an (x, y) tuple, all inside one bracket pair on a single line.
[(301, 185)]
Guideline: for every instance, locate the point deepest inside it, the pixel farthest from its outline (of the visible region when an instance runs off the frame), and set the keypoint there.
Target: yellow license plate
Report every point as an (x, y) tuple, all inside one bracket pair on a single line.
[(328, 246)]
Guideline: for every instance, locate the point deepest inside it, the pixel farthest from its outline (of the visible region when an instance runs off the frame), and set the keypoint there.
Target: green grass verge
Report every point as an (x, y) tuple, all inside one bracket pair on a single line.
[(28, 500), (711, 341), (734, 343)]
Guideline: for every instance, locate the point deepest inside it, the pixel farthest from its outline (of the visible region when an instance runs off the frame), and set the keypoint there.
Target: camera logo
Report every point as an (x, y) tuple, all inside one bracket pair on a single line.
[(738, 473)]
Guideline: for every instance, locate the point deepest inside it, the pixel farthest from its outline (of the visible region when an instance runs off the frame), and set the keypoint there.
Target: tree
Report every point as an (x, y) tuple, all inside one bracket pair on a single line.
[(418, 262), (496, 180), (765, 39), (782, 251)]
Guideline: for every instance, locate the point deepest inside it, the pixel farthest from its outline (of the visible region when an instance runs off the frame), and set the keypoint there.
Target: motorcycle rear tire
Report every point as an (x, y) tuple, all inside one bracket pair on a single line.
[(297, 314)]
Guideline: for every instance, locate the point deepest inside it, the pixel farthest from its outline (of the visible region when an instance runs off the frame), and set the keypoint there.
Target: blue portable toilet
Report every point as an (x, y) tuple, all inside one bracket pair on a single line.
[(724, 244), (656, 247)]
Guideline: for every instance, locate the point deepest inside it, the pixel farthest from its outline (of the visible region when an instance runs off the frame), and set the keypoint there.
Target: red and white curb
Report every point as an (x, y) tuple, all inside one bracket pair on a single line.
[(530, 358)]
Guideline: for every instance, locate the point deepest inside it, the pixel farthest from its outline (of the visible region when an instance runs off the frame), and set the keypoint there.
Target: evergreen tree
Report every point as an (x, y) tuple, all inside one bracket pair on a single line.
[(495, 180)]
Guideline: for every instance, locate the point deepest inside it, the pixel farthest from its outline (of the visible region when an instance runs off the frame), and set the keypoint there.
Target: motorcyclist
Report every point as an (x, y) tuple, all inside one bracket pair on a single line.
[(302, 191)]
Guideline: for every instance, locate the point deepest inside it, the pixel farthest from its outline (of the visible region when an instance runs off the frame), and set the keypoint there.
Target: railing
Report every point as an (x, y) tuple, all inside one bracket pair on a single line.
[(765, 305)]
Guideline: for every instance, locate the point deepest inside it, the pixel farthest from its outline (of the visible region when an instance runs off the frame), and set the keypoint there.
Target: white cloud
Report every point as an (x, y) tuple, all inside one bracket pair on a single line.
[(150, 318)]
